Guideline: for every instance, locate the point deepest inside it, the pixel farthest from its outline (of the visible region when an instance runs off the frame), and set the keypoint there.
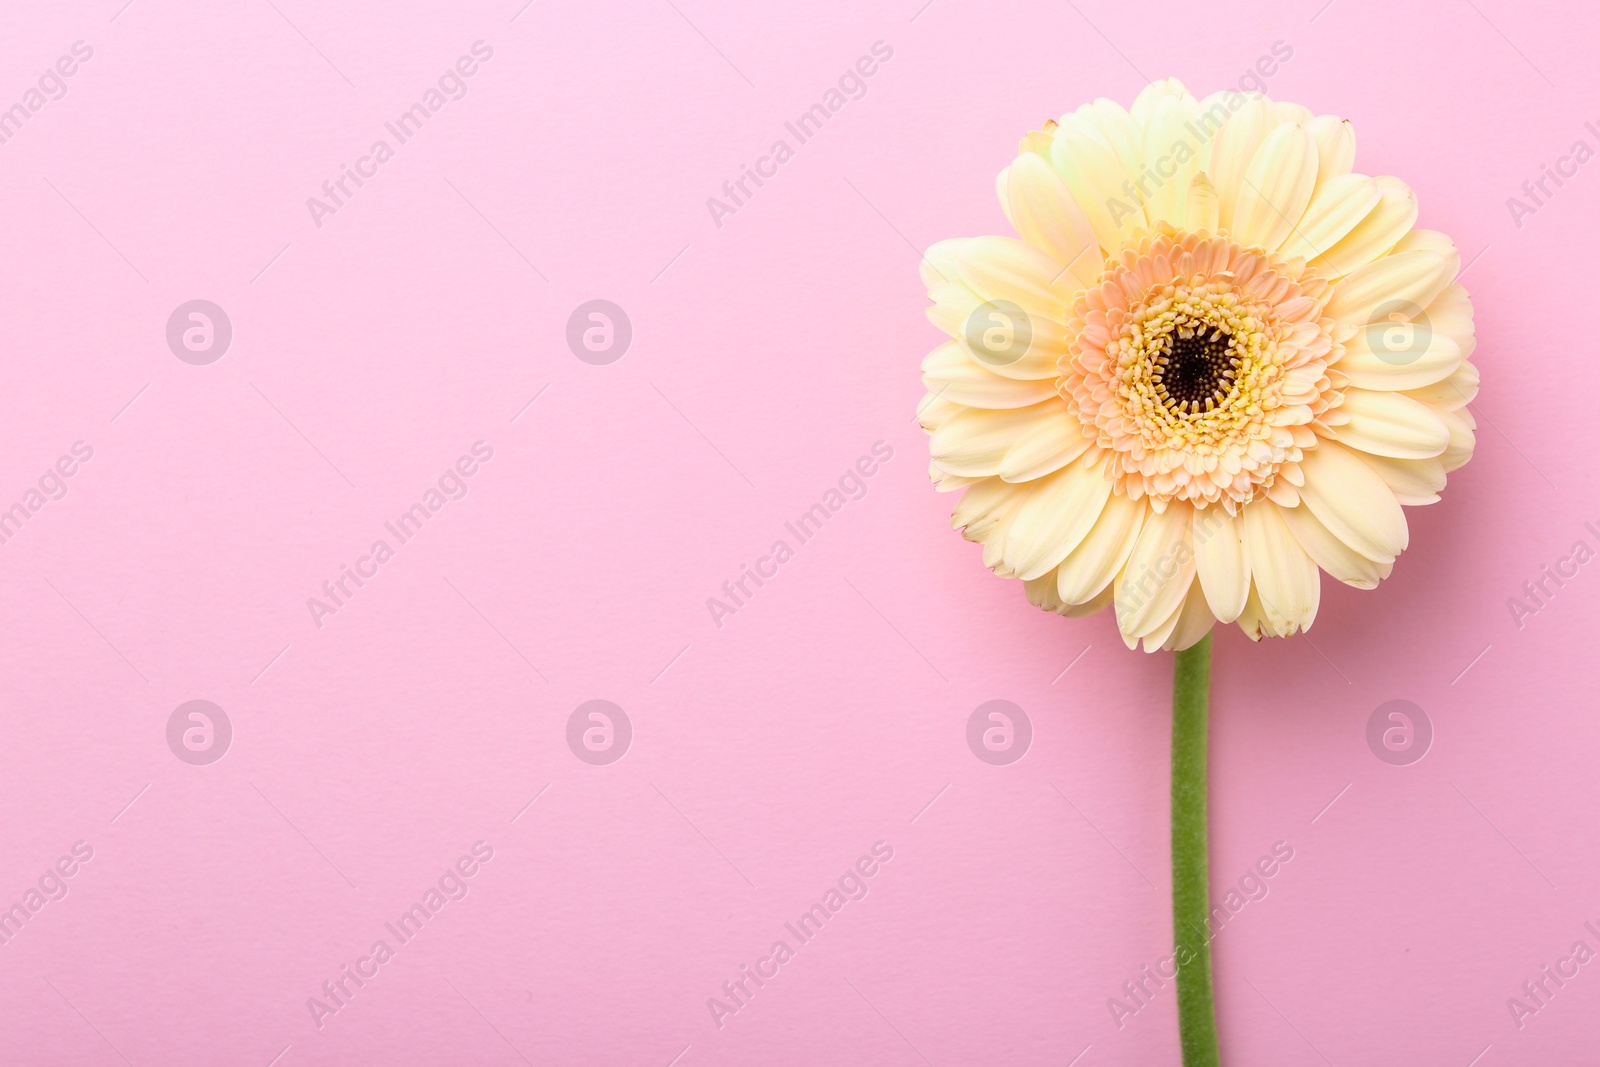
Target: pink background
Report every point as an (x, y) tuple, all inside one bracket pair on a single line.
[(770, 753)]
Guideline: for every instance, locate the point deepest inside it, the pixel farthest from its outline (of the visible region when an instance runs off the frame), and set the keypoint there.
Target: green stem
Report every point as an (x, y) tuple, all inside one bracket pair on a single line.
[(1197, 1017)]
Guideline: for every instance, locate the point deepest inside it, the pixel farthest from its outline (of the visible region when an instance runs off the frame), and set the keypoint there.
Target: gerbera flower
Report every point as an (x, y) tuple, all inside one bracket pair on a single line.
[(1217, 363)]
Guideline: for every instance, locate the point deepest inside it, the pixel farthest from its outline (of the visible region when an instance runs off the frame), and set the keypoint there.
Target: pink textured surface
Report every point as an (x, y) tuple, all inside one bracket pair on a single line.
[(768, 754)]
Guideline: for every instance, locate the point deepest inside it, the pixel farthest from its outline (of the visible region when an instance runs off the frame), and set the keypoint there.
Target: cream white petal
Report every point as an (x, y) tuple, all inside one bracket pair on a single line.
[(1047, 447), (1044, 212), (1404, 278), (973, 441), (1202, 207), (1432, 241), (1450, 313), (950, 374), (1414, 481), (1058, 511), (949, 483), (1161, 632), (1451, 394), (1089, 569), (1099, 603), (1277, 187), (1158, 571), (994, 544), (1005, 338), (1004, 268), (1330, 553), (1285, 111), (1095, 176), (1131, 641), (1347, 496), (953, 304), (1171, 159), (1113, 125), (1194, 622), (962, 313), (1390, 424), (1002, 190), (1336, 207), (1234, 147), (1462, 439), (1398, 355), (1253, 619), (935, 411), (1284, 577), (1002, 305), (1336, 146), (1153, 95), (1220, 562), (1394, 215), (983, 506), (1041, 593), (1037, 142), (939, 261)]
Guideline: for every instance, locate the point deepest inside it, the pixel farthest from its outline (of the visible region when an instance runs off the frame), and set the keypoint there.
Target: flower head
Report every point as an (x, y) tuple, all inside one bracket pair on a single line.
[(1216, 364)]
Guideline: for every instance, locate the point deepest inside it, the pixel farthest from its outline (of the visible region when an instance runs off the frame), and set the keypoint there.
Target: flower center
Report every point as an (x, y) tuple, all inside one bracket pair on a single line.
[(1201, 365), (1196, 372)]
